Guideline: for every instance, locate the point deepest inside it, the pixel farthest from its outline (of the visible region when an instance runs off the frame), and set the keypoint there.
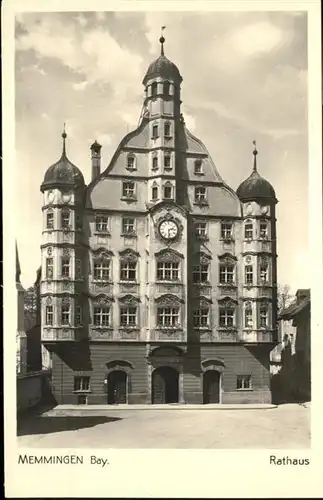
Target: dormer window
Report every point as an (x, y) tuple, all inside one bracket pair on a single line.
[(131, 162), (168, 189), (154, 89), (167, 130), (155, 131), (200, 194), (128, 190), (198, 167), (167, 160), (166, 88)]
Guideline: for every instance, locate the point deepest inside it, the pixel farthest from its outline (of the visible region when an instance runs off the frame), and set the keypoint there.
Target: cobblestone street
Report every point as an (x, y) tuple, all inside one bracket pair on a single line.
[(287, 426)]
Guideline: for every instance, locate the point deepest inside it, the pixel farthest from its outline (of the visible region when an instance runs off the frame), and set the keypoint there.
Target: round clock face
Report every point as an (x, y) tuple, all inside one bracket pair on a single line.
[(264, 210), (168, 229), (50, 197)]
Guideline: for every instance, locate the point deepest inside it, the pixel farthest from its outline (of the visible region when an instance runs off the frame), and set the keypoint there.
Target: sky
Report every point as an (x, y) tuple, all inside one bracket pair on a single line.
[(244, 78)]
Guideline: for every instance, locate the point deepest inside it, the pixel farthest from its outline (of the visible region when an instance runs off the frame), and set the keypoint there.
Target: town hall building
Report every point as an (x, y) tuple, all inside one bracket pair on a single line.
[(158, 280)]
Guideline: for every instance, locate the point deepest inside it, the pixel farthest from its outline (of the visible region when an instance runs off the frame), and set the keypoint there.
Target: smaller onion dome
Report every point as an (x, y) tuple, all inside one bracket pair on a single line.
[(63, 173), (162, 67), (256, 187)]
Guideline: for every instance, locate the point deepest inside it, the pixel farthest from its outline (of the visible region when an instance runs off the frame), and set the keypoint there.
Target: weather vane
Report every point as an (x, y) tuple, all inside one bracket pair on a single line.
[(162, 40)]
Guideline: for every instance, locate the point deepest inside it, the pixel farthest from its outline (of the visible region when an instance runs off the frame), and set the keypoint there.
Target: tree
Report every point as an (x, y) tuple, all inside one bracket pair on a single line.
[(284, 297)]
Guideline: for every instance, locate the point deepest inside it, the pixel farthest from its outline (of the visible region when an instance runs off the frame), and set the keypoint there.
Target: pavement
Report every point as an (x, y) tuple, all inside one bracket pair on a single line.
[(203, 427)]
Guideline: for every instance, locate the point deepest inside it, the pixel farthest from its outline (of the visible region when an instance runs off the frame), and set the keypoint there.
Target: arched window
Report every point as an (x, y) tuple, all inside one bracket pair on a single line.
[(167, 160), (155, 162), (166, 88), (154, 192), (167, 130), (168, 190), (248, 230), (154, 89), (131, 162), (155, 131), (248, 320), (198, 167)]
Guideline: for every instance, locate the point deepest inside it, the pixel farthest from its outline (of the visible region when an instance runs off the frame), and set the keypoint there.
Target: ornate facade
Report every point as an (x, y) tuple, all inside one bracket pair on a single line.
[(158, 279)]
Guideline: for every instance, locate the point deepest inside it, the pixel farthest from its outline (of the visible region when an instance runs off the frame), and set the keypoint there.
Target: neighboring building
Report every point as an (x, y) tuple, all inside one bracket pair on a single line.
[(158, 280), (21, 337), (296, 355), (33, 327), (286, 335)]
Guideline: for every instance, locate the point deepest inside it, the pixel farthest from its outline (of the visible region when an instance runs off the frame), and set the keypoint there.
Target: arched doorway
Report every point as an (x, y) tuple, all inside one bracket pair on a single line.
[(117, 387), (211, 387), (165, 385)]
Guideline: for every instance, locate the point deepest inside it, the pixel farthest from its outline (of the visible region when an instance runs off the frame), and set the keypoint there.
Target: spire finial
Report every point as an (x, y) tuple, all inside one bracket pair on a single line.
[(162, 41), (255, 152), (64, 135)]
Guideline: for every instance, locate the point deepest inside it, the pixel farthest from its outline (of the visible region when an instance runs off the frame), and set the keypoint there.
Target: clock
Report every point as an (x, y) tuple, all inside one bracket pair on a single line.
[(264, 209), (50, 197), (66, 197), (168, 229)]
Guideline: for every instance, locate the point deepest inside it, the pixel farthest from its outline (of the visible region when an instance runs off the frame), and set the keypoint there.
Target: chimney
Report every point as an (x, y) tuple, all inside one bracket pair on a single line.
[(96, 160)]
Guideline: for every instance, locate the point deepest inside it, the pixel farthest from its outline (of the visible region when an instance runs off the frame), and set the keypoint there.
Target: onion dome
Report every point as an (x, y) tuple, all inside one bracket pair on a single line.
[(63, 174), (256, 187), (162, 67)]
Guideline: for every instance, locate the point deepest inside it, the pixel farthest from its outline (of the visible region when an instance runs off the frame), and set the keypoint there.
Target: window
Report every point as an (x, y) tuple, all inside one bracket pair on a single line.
[(168, 192), (81, 384), (101, 316), (154, 193), (49, 315), (167, 160), (128, 271), (101, 223), (200, 273), (263, 316), (128, 225), (155, 131), (155, 162), (128, 316), (131, 165), (226, 316), (198, 169), (49, 268), (226, 273), (263, 232), (248, 275), (200, 230), (128, 189), (78, 222), (167, 129), (78, 268), (101, 269), (167, 316), (65, 314), (166, 88), (244, 382), (78, 315), (264, 273), (201, 318), (248, 320), (226, 230), (50, 220), (65, 217), (65, 267), (154, 89), (248, 230), (167, 271), (200, 194)]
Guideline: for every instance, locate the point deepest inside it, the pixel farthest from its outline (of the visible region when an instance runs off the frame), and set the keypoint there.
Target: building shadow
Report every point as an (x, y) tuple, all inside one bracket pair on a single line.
[(47, 425)]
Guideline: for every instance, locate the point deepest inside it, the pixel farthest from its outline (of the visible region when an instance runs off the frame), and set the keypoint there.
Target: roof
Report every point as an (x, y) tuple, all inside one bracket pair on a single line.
[(63, 173), (162, 67), (295, 308)]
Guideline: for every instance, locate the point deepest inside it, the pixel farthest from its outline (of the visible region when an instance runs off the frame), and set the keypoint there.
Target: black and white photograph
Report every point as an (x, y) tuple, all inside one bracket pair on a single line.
[(162, 235)]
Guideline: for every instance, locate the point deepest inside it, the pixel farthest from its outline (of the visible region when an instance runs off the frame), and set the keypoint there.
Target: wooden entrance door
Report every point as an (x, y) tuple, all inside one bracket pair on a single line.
[(165, 385), (211, 387), (117, 387)]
